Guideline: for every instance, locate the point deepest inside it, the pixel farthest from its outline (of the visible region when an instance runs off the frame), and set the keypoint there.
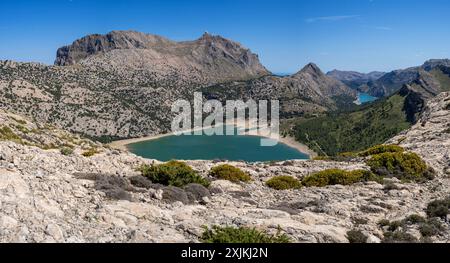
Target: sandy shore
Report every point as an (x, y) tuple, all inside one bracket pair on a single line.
[(289, 141)]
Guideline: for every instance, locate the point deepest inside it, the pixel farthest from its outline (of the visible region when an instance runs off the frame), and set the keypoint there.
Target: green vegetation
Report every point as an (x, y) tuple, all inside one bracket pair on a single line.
[(356, 237), (396, 231), (439, 208), (173, 173), (22, 129), (432, 227), (415, 219), (22, 122), (6, 134), (404, 166), (66, 151), (382, 149), (284, 183), (443, 78), (338, 177), (230, 173), (242, 235), (399, 236), (90, 152), (354, 131)]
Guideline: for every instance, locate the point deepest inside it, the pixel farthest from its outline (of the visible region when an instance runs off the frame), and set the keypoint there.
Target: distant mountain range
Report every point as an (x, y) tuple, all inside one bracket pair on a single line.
[(435, 73), (355, 79)]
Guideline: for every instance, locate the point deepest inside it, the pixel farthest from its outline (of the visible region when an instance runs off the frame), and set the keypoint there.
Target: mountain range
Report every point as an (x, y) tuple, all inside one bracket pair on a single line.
[(122, 84), (381, 84)]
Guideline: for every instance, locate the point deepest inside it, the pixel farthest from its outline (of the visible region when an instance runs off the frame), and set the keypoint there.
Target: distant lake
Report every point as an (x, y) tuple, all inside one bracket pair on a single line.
[(216, 147), (365, 98)]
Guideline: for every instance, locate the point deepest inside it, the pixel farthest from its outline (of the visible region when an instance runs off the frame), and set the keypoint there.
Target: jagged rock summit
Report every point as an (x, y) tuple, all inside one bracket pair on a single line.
[(209, 59), (324, 85)]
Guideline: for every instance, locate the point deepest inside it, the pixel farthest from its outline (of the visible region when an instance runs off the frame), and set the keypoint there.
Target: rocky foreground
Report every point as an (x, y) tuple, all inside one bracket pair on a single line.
[(51, 193)]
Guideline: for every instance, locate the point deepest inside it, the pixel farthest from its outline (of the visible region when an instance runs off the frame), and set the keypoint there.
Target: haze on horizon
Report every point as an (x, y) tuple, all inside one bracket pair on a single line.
[(360, 35)]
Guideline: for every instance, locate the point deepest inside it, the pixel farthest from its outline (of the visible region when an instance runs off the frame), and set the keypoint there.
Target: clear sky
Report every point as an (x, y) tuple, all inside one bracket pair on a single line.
[(362, 35)]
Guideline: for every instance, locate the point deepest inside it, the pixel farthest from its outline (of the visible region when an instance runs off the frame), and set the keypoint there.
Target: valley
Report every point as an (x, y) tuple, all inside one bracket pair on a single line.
[(371, 173)]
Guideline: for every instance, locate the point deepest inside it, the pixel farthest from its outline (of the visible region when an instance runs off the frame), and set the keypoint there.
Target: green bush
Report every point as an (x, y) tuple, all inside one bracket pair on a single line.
[(284, 183), (66, 151), (90, 152), (399, 237), (337, 176), (242, 235), (6, 134), (382, 149), (439, 208), (384, 222), (404, 166), (432, 227), (396, 231), (173, 173), (356, 236), (230, 173), (414, 219)]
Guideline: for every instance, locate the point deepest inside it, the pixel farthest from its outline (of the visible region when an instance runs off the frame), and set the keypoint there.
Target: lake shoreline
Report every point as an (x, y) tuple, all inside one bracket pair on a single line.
[(288, 141)]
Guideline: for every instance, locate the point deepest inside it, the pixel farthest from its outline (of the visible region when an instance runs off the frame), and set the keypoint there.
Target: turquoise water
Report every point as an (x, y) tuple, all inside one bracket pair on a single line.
[(216, 147), (366, 98)]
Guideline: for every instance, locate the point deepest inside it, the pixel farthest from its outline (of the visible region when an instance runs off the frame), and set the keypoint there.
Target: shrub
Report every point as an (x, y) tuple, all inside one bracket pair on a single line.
[(414, 219), (439, 208), (66, 151), (337, 176), (399, 237), (382, 149), (284, 183), (90, 152), (322, 158), (8, 135), (404, 166), (356, 236), (384, 222), (395, 225), (230, 173), (243, 235), (431, 228), (173, 173)]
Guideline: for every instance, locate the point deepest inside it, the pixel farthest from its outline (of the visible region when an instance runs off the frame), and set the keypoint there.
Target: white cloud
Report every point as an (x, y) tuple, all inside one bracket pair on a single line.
[(330, 18)]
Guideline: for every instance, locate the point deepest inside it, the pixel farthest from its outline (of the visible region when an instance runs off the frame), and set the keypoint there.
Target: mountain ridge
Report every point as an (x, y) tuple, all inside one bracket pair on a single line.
[(209, 59)]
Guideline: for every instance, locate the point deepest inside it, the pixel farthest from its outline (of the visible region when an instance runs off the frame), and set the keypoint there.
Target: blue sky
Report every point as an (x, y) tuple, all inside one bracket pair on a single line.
[(362, 35)]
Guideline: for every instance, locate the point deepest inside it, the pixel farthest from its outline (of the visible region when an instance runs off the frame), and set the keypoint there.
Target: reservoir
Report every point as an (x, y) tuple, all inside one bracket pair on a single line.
[(365, 98), (215, 147)]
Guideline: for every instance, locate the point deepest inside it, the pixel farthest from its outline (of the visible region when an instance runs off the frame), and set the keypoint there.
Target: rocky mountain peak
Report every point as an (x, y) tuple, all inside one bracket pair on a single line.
[(209, 59), (312, 68), (433, 63)]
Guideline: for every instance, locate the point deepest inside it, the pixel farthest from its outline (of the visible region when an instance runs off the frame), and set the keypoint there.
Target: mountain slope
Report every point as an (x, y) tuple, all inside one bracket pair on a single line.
[(355, 79), (370, 124), (50, 195), (394, 81), (309, 91), (210, 59)]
